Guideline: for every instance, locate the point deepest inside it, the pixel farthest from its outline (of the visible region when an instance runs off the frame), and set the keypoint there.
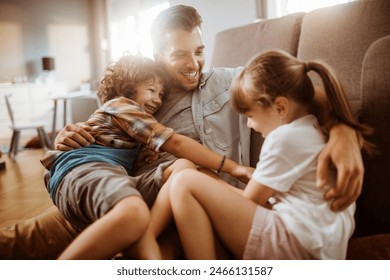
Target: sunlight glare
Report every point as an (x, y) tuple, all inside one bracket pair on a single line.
[(145, 21), (294, 6), (132, 35)]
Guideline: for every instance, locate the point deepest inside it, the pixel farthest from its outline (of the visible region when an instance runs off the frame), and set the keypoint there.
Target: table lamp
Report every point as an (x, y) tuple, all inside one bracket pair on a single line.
[(48, 69)]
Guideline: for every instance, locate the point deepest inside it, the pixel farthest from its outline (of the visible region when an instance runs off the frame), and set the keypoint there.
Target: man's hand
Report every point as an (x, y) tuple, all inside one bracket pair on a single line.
[(343, 151), (73, 136)]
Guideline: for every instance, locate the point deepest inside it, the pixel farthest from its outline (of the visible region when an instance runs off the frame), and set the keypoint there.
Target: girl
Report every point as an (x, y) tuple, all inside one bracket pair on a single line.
[(281, 214), (90, 185)]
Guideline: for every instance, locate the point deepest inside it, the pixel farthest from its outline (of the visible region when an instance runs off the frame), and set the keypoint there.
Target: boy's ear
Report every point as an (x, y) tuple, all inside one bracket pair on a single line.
[(282, 107)]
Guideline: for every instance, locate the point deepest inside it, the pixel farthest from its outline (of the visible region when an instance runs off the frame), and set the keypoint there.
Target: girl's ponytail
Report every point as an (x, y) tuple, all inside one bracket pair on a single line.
[(339, 106)]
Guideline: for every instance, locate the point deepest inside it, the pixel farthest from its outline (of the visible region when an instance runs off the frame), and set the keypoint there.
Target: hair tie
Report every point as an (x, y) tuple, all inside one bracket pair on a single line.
[(306, 66)]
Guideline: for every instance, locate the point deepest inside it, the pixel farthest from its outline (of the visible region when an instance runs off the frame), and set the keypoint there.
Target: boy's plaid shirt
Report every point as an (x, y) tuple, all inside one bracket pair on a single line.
[(122, 123)]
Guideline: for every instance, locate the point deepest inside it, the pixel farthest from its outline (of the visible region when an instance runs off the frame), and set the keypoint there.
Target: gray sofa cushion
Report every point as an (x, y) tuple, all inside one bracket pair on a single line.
[(235, 46), (340, 35)]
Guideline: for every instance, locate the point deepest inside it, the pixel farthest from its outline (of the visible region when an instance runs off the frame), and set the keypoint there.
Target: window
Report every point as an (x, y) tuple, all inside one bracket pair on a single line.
[(130, 32), (294, 6), (280, 8)]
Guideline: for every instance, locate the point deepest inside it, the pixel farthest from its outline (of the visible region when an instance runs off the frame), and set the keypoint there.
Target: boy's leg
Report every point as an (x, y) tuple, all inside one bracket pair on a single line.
[(123, 225), (92, 197)]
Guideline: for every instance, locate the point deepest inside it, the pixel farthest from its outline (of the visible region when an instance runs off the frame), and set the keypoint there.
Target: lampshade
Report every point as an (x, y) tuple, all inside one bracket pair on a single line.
[(48, 63)]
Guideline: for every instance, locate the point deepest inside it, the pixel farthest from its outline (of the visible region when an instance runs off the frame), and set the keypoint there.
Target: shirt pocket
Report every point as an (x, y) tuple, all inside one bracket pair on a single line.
[(221, 122)]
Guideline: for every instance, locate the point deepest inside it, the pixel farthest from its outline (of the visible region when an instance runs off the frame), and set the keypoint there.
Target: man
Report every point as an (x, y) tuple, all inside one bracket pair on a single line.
[(197, 105)]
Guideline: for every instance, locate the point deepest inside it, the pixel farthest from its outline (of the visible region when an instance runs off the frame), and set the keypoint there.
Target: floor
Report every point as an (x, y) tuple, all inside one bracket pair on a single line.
[(22, 191)]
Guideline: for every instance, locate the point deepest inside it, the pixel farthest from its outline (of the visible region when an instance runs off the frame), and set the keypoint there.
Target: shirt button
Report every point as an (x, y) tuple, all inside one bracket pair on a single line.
[(209, 130)]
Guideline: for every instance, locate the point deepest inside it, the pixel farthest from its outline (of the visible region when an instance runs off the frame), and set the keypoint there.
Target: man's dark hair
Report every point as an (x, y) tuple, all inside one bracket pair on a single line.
[(171, 19)]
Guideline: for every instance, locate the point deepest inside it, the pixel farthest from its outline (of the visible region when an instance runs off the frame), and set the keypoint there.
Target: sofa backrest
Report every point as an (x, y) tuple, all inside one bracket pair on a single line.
[(234, 47), (340, 35)]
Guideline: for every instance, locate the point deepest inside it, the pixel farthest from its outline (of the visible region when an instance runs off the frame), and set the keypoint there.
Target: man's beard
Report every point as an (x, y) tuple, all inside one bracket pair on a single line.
[(179, 86)]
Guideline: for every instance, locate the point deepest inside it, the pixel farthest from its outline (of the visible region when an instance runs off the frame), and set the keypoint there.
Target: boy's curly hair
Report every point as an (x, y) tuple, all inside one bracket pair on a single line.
[(122, 77)]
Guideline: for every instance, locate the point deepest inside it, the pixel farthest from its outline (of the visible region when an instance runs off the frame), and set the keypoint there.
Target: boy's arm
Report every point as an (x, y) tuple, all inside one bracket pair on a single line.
[(343, 151), (185, 147)]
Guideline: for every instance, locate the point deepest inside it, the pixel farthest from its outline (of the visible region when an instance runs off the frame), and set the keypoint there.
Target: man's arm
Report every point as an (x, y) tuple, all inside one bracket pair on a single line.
[(73, 136), (343, 150)]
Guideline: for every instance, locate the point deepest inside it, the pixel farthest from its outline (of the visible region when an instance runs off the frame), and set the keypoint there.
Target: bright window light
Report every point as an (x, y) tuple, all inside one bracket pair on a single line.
[(123, 34), (294, 6), (132, 35), (145, 21)]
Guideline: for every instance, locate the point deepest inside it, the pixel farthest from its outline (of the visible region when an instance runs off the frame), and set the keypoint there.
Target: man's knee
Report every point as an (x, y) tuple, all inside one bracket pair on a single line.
[(42, 237)]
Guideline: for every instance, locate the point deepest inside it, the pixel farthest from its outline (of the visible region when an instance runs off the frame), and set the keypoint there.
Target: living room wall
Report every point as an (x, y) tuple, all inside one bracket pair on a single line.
[(31, 29), (72, 31)]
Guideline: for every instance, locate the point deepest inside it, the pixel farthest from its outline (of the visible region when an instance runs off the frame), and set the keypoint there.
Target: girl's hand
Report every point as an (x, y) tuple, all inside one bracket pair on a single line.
[(243, 173)]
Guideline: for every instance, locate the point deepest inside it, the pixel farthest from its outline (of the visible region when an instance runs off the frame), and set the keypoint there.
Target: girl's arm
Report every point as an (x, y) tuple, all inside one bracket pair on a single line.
[(258, 193), (185, 147)]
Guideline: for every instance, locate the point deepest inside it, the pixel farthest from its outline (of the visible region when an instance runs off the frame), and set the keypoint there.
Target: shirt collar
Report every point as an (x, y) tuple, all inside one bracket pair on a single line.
[(205, 76)]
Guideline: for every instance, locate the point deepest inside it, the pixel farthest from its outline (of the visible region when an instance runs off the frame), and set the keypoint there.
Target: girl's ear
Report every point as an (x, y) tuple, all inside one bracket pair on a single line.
[(282, 105)]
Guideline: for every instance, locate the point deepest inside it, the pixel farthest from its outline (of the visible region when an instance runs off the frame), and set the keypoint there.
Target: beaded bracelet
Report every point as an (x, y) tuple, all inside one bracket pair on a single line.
[(221, 164)]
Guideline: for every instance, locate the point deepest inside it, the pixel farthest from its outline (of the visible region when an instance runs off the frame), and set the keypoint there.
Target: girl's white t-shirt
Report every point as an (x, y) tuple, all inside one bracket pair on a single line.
[(288, 162)]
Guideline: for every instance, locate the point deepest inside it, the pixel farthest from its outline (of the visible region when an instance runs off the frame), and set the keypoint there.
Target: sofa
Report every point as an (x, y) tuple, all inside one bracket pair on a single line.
[(354, 39)]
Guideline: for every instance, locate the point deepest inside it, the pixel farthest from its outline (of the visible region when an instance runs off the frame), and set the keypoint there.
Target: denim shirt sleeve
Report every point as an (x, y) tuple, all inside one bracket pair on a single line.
[(220, 128)]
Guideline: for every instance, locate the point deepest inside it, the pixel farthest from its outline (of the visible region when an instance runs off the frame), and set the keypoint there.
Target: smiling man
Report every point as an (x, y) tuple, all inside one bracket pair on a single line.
[(183, 58)]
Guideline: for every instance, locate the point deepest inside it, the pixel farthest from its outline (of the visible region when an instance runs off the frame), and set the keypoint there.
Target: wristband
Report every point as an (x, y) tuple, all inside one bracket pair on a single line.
[(221, 164)]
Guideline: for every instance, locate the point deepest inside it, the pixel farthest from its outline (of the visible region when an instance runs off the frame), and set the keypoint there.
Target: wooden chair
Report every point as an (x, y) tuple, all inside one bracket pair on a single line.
[(18, 127)]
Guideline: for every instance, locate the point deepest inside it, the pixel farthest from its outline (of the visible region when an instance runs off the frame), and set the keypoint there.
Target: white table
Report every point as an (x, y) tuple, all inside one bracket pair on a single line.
[(65, 98)]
